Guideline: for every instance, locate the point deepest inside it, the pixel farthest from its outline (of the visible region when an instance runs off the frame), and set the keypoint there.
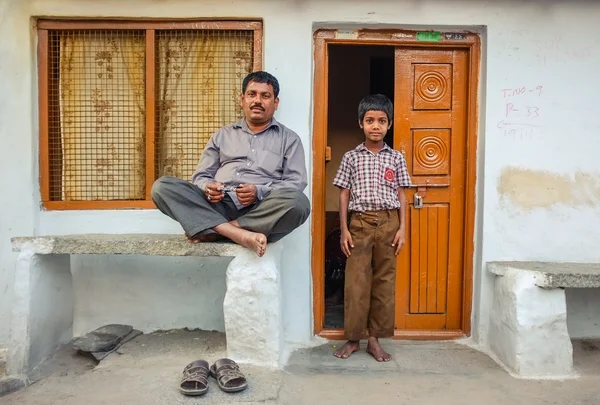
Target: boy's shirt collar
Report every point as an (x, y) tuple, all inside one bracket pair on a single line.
[(363, 148)]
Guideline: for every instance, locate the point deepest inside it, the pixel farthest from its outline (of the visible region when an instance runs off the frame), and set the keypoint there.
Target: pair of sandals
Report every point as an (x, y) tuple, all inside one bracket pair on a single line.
[(226, 371)]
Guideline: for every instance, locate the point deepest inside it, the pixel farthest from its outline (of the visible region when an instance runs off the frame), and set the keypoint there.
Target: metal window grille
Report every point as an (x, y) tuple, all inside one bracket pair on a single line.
[(121, 107), (199, 76), (97, 108)]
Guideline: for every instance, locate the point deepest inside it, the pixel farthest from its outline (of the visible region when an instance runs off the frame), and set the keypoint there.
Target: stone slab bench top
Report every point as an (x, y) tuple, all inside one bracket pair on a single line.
[(124, 244), (554, 275)]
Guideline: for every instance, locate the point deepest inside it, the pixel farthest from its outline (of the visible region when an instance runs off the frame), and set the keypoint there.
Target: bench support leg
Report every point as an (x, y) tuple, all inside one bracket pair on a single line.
[(42, 310), (528, 328), (252, 307)]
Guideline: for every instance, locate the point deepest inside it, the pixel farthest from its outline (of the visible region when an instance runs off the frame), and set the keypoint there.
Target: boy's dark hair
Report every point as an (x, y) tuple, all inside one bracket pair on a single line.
[(375, 102), (261, 77)]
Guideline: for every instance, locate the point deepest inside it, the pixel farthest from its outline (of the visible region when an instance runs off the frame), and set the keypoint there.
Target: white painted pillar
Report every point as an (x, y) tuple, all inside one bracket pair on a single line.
[(42, 310), (253, 308), (528, 327)]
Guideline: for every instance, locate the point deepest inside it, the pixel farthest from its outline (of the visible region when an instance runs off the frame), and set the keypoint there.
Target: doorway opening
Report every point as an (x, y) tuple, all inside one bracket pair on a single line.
[(354, 73)]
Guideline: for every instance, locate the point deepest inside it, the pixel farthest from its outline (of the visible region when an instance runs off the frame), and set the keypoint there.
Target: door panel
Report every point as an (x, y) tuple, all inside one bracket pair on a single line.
[(429, 259), (431, 152), (432, 86), (430, 116)]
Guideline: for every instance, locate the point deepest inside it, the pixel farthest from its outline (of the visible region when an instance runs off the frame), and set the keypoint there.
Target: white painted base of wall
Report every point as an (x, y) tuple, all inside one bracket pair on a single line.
[(42, 310), (528, 328)]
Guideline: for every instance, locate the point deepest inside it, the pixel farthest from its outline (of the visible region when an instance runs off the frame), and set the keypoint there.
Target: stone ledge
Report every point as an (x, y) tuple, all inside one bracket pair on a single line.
[(554, 275), (124, 244)]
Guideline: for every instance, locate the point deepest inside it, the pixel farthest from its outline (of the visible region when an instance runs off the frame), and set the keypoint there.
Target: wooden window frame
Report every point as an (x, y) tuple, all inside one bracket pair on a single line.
[(150, 27), (407, 38)]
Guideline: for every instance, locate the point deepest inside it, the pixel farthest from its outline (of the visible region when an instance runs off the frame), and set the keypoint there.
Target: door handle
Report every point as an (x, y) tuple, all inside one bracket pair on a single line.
[(422, 191)]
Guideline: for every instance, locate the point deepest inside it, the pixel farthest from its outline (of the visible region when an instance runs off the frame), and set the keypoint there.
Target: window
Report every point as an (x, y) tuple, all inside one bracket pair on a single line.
[(125, 102)]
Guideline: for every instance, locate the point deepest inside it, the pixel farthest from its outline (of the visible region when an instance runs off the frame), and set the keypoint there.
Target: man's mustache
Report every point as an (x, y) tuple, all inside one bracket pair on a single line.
[(257, 106)]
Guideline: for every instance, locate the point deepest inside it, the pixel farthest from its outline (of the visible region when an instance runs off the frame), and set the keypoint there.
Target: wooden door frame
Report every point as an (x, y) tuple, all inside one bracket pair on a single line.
[(322, 39)]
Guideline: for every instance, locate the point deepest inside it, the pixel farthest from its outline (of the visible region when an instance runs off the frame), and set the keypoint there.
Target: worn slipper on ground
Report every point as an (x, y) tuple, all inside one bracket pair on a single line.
[(99, 356), (102, 339), (228, 375), (195, 378)]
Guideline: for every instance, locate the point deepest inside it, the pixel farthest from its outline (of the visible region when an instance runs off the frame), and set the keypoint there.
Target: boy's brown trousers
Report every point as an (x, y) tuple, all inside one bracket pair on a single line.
[(369, 301)]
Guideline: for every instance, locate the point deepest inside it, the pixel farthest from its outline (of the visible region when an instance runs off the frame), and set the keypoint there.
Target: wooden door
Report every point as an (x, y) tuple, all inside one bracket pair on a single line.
[(431, 131)]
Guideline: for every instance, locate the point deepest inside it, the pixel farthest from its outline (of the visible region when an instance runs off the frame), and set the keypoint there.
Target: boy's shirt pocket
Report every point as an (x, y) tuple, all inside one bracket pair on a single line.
[(388, 176)]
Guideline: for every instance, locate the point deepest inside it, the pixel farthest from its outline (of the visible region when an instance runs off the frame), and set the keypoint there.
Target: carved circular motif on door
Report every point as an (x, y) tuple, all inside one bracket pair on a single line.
[(432, 86), (431, 152)]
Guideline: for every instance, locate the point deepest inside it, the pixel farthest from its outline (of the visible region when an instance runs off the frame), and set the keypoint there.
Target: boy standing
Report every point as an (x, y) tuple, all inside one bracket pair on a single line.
[(372, 178)]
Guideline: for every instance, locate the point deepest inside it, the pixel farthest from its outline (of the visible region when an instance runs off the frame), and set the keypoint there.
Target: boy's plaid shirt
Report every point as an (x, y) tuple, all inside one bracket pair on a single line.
[(373, 179)]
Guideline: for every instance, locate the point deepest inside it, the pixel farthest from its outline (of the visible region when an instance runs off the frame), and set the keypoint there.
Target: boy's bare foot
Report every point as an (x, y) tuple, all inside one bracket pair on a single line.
[(346, 351), (375, 350)]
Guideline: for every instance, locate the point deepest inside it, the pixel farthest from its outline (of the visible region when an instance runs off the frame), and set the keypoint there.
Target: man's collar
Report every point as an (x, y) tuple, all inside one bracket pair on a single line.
[(244, 125)]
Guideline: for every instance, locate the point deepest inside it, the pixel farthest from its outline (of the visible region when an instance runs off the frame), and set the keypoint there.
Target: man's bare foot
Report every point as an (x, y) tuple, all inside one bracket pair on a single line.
[(346, 351), (251, 240), (256, 242), (375, 350)]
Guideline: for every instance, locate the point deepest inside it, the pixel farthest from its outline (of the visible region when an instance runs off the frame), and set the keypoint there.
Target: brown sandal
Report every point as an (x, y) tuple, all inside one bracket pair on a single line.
[(228, 375), (195, 378)]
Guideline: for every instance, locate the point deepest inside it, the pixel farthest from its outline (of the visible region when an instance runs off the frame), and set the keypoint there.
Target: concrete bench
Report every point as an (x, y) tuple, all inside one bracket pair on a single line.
[(42, 310), (528, 320)]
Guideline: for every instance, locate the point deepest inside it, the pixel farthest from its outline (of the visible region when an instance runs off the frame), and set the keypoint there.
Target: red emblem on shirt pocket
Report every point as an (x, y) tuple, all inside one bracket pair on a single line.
[(389, 175)]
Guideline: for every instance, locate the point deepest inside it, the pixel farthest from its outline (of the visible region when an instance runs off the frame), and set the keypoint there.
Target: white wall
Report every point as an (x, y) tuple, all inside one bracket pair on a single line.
[(583, 319), (17, 126), (150, 293), (538, 210)]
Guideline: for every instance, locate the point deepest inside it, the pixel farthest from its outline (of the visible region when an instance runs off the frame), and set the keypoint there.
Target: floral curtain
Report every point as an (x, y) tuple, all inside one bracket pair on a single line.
[(200, 77), (102, 105), (102, 116)]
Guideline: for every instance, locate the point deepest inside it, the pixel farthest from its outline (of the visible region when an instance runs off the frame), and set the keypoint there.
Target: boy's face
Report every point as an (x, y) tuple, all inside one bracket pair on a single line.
[(375, 125)]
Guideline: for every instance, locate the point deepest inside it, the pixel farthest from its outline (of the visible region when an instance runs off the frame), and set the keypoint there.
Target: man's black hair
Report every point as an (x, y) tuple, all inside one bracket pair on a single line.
[(375, 102), (261, 77)]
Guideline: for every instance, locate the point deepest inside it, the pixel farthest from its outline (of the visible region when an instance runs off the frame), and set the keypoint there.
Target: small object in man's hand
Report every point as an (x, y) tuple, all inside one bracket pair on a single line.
[(227, 189)]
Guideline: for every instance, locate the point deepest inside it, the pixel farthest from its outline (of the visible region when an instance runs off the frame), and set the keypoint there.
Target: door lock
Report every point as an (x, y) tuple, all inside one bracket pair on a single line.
[(418, 201)]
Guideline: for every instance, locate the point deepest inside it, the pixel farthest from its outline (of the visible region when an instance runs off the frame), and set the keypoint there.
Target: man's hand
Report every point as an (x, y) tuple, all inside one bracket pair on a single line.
[(214, 192), (246, 193), (346, 241), (399, 240)]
